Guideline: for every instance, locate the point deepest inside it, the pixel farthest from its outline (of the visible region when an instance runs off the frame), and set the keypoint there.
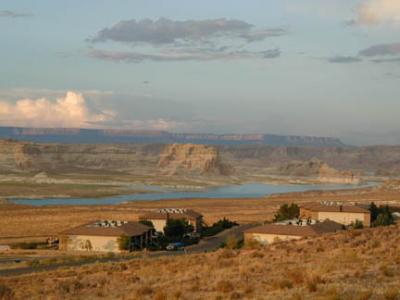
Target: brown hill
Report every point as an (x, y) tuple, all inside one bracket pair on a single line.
[(357, 264)]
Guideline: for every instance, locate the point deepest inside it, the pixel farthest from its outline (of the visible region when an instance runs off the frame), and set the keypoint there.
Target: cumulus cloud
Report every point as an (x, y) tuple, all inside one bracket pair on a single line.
[(344, 59), (378, 11), (169, 40), (68, 111), (13, 14)]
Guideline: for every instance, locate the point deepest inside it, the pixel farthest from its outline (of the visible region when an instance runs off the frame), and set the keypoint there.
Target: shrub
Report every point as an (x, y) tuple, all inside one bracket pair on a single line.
[(357, 224), (6, 293), (34, 263), (312, 286), (364, 295), (386, 271), (144, 291), (253, 244), (224, 286), (285, 284), (124, 242), (218, 227), (160, 295), (392, 294), (25, 245), (232, 242), (296, 275)]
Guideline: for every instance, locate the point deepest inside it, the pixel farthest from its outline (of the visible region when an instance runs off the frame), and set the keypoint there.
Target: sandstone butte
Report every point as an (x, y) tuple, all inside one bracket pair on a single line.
[(192, 158)]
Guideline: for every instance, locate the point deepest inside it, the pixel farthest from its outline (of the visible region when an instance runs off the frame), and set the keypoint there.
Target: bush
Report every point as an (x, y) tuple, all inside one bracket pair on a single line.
[(218, 227), (144, 291), (357, 224), (287, 212), (392, 294), (285, 284), (124, 242), (224, 286), (6, 293), (232, 242), (25, 245)]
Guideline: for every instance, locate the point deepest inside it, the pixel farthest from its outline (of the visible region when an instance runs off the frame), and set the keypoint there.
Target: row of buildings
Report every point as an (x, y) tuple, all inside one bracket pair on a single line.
[(105, 235), (315, 219)]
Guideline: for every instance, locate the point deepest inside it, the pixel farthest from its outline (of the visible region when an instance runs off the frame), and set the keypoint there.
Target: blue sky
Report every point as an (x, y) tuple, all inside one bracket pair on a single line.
[(309, 67)]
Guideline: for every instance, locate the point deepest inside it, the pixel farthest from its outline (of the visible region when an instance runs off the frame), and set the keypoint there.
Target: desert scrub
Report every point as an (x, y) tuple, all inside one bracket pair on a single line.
[(392, 293), (144, 291), (6, 293), (224, 286)]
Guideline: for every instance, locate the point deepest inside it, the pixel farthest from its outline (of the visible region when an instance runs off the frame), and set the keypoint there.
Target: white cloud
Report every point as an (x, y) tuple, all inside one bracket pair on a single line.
[(68, 111), (378, 11)]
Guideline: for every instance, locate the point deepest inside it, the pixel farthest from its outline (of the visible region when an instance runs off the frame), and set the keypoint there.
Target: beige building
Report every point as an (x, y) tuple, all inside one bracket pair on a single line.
[(268, 234), (159, 217), (103, 236), (343, 214)]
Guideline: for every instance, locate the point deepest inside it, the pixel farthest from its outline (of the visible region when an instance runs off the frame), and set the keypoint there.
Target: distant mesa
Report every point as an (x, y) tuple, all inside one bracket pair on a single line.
[(112, 136), (194, 159)]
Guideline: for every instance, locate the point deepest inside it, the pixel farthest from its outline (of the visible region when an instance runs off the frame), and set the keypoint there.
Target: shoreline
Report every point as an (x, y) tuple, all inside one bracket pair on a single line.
[(259, 191)]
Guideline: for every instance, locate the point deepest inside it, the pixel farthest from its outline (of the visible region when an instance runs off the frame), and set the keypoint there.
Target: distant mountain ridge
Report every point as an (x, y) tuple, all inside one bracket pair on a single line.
[(110, 136)]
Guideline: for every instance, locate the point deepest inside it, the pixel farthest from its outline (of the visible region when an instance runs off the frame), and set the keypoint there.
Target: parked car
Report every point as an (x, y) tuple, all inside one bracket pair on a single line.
[(174, 246)]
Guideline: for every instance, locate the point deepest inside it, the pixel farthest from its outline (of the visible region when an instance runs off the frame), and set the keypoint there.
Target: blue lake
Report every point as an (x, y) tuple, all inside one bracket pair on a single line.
[(250, 190)]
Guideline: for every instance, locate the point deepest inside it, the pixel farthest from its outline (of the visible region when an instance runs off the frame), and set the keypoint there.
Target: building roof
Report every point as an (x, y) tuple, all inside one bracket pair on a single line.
[(293, 230), (171, 213), (319, 207), (109, 228)]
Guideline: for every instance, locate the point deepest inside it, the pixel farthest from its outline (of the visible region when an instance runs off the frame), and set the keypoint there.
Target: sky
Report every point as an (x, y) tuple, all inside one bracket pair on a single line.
[(309, 67)]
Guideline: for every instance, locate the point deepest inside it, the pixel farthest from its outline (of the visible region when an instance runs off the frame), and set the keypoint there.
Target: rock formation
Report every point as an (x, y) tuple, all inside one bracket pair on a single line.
[(191, 158), (318, 169)]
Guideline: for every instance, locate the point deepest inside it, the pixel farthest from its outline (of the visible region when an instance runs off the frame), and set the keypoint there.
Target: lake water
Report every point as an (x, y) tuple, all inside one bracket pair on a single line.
[(250, 190)]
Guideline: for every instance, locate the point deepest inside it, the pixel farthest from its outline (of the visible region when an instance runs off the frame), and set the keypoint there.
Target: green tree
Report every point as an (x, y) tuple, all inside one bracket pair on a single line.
[(124, 242), (176, 229), (374, 211), (147, 223), (287, 212), (385, 217)]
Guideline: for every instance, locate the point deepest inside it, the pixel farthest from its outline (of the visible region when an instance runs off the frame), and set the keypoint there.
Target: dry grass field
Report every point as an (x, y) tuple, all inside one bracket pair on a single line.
[(42, 190), (17, 221), (360, 264)]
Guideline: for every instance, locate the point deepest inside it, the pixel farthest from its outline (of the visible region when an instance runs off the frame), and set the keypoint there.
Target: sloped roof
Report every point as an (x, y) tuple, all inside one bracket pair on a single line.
[(318, 207), (294, 230), (157, 215), (128, 229)]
